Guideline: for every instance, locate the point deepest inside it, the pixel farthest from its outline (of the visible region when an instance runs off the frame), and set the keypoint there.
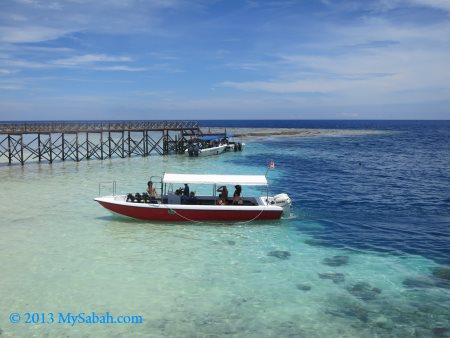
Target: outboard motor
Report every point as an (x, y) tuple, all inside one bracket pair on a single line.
[(239, 146), (284, 201)]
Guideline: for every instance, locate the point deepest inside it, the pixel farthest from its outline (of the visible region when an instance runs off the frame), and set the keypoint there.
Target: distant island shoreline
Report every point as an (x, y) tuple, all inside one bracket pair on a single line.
[(258, 133)]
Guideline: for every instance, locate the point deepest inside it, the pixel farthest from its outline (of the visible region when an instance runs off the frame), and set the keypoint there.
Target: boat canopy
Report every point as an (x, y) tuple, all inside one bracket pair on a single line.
[(212, 137), (215, 179)]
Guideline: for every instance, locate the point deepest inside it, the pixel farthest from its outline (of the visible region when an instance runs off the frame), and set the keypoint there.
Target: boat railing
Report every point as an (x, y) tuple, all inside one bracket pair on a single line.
[(112, 184)]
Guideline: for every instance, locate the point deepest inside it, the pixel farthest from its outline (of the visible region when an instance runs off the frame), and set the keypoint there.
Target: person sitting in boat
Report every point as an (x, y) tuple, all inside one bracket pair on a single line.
[(151, 191), (237, 195), (192, 199), (223, 196)]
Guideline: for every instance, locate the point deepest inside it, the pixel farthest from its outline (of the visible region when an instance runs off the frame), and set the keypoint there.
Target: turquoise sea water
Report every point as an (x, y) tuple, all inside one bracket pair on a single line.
[(335, 268)]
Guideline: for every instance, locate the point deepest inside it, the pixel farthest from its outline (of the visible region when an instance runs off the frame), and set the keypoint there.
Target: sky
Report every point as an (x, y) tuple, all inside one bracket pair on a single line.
[(229, 59)]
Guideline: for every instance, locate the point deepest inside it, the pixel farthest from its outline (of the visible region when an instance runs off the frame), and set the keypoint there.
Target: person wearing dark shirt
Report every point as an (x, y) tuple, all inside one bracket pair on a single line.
[(185, 197), (237, 194), (192, 199)]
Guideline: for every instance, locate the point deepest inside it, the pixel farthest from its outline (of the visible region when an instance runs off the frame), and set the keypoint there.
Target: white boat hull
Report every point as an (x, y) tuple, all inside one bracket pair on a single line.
[(207, 151)]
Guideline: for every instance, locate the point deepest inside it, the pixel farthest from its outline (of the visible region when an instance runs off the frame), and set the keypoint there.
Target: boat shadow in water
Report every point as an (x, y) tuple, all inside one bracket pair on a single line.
[(115, 219)]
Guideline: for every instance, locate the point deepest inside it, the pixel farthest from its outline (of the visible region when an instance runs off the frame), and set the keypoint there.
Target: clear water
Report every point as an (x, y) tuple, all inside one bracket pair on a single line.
[(378, 201)]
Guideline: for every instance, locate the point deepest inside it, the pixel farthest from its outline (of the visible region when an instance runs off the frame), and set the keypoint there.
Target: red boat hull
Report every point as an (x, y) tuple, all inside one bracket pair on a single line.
[(187, 215)]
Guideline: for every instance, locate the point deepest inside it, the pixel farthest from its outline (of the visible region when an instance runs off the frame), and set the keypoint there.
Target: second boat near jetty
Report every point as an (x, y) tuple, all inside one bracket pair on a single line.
[(212, 144)]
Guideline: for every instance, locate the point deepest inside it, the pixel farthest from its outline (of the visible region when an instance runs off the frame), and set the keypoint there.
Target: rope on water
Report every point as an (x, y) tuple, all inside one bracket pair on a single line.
[(171, 211)]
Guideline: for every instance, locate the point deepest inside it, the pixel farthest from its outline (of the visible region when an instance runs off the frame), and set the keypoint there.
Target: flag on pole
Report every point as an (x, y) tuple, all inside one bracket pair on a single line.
[(270, 166)]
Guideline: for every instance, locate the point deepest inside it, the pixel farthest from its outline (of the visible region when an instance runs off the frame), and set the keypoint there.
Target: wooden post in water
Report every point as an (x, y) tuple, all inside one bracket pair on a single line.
[(88, 156), (22, 162), (123, 143), (50, 148), (144, 143), (76, 146), (9, 149), (109, 144), (129, 143), (63, 153), (165, 143), (101, 145), (39, 148)]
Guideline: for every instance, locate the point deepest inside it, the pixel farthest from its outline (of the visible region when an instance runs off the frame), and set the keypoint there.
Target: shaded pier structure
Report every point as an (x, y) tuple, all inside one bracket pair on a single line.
[(77, 141)]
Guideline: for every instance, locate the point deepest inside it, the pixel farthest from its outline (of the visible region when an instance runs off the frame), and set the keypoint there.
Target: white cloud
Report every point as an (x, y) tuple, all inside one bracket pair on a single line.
[(388, 5), (287, 87), (10, 86), (437, 4), (27, 34), (35, 21), (15, 64), (90, 59), (25, 22), (12, 64), (7, 71), (412, 66), (122, 68)]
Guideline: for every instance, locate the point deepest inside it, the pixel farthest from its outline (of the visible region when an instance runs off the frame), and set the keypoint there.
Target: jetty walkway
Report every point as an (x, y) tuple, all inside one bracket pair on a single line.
[(78, 140)]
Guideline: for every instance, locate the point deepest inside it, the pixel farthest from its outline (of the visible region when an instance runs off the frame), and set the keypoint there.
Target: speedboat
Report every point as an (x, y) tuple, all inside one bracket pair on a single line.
[(212, 144), (195, 150), (171, 206)]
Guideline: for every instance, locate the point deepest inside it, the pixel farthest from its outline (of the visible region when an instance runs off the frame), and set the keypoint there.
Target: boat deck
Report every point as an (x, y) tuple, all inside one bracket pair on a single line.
[(209, 200), (173, 199)]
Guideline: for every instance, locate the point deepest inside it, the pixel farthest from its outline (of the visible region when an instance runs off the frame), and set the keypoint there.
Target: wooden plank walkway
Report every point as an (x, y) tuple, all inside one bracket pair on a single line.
[(24, 142), (93, 126)]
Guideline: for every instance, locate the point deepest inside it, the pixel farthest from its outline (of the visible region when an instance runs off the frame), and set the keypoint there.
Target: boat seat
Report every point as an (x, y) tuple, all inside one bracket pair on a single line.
[(244, 202)]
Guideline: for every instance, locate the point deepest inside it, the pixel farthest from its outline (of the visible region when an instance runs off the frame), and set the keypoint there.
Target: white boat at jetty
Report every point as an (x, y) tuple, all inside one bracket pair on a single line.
[(196, 150), (212, 144), (176, 206)]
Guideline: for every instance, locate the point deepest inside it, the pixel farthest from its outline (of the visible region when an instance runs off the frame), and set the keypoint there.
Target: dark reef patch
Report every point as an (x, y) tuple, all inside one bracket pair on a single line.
[(303, 287), (336, 277), (280, 254), (364, 291), (336, 261)]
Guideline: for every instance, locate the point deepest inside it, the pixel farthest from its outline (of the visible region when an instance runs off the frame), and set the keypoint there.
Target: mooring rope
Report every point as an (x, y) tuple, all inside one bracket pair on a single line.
[(172, 211)]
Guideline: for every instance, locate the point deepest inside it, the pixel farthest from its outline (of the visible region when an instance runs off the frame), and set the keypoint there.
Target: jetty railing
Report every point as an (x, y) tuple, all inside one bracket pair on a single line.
[(79, 140)]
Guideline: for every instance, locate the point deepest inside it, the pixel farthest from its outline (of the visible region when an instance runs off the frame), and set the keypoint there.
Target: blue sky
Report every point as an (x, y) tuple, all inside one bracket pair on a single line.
[(180, 59)]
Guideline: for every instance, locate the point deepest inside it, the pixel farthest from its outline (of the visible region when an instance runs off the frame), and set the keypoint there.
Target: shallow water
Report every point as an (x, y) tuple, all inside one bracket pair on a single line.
[(355, 259)]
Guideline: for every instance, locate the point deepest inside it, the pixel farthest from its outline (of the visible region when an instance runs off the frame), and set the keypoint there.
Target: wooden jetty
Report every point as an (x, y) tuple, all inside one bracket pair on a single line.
[(74, 140)]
